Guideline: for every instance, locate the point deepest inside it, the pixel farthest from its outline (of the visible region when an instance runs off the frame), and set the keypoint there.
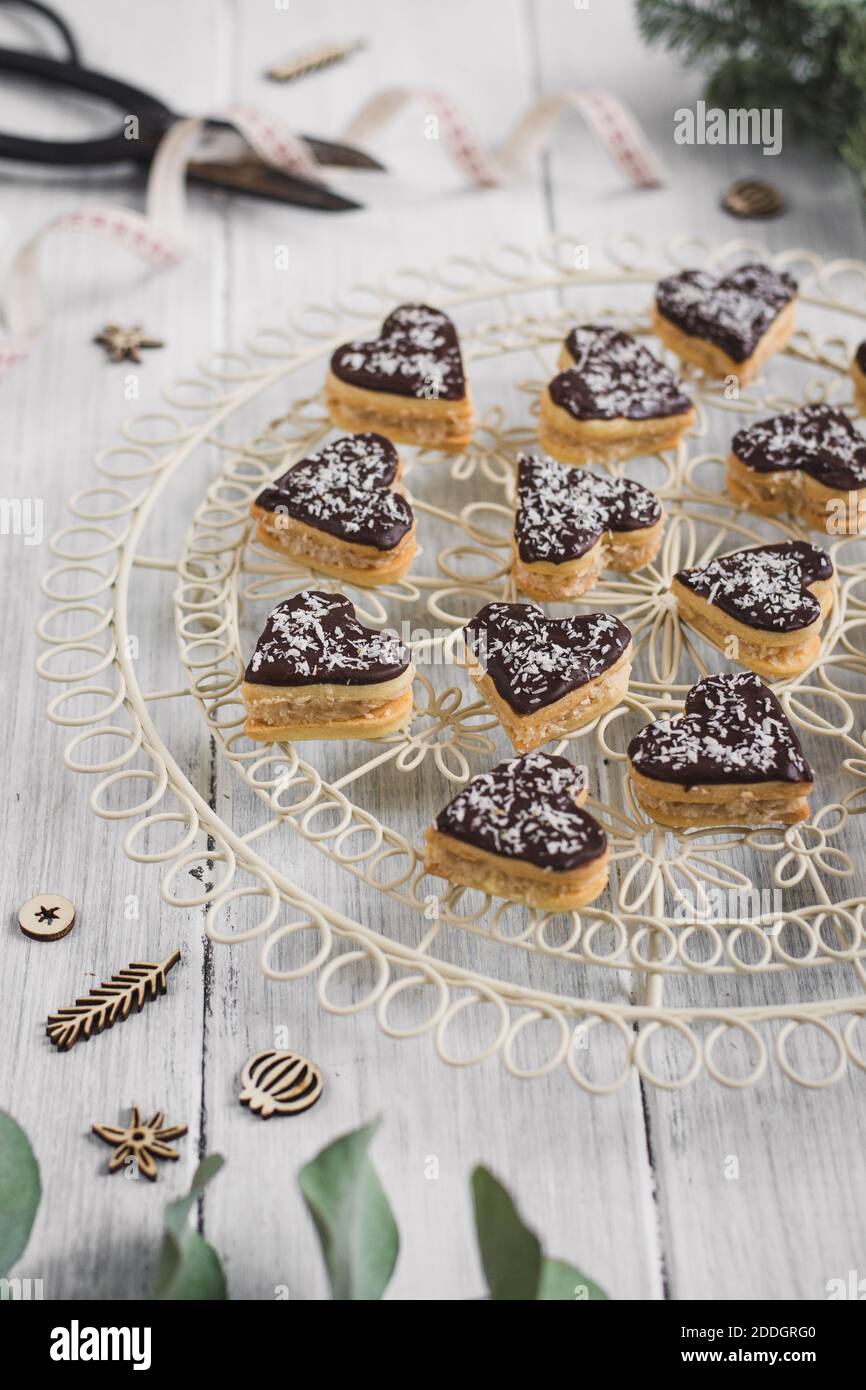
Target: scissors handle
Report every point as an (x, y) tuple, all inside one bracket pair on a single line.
[(154, 117), (56, 21)]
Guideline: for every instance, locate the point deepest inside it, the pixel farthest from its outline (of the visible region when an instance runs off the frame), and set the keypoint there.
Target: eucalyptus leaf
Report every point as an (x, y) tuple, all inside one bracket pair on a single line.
[(514, 1266), (352, 1215), (20, 1191), (563, 1283), (510, 1253), (188, 1268)]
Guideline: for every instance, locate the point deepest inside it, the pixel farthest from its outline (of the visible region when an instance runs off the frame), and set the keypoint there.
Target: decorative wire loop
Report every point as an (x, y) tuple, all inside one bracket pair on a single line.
[(663, 920)]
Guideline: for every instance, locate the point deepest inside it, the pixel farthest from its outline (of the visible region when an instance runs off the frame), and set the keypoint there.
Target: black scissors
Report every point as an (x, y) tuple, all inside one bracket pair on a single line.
[(247, 174)]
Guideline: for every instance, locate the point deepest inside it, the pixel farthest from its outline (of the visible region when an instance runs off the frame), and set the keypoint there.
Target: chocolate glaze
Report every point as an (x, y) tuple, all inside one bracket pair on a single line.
[(733, 730), (818, 439), (562, 511), (534, 660), (860, 357), (733, 311), (766, 587), (314, 638), (524, 809), (345, 490), (416, 354), (614, 377)]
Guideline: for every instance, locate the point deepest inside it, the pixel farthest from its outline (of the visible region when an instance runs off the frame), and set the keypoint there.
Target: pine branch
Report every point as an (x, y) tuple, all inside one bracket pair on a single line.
[(805, 57), (698, 29), (806, 110), (852, 53), (783, 29), (853, 151), (129, 989)]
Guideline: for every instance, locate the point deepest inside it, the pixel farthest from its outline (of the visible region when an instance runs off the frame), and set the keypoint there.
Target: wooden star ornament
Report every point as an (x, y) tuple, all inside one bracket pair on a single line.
[(143, 1142), (121, 343)]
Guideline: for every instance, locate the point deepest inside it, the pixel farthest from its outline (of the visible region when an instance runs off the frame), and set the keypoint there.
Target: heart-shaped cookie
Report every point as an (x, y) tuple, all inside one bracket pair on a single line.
[(416, 354), (612, 399), (336, 510), (314, 638), (534, 660), (317, 672), (857, 371), (545, 677), (729, 323), (527, 808), (732, 757), (810, 461), (767, 587), (818, 439), (518, 831), (761, 606), (346, 490), (409, 381), (571, 523)]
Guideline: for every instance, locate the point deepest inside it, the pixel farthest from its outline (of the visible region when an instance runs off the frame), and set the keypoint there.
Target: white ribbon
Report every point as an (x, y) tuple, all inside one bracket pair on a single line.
[(157, 235)]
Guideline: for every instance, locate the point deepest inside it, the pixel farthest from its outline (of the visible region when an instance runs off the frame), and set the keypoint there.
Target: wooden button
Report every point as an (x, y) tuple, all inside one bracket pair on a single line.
[(47, 917), (753, 198)]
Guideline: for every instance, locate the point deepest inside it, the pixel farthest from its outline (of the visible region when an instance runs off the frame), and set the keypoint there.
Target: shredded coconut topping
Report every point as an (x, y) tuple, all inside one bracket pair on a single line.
[(615, 377), (417, 354)]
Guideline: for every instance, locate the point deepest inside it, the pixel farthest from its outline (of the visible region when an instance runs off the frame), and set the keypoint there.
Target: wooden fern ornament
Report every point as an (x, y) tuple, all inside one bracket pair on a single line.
[(324, 55), (128, 990)]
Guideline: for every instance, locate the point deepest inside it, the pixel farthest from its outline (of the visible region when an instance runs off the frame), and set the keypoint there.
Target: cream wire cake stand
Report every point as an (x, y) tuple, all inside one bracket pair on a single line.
[(659, 934)]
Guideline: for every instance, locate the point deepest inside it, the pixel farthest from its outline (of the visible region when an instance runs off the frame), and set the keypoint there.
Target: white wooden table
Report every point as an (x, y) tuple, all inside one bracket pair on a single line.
[(632, 1188)]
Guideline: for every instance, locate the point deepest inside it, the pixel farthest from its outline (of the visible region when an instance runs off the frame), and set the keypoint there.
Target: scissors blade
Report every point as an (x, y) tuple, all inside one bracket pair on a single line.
[(338, 156), (225, 141), (259, 180)]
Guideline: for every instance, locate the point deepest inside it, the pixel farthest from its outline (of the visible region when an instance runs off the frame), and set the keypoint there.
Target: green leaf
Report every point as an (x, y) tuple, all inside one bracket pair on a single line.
[(561, 1282), (510, 1253), (20, 1191), (188, 1268), (352, 1215)]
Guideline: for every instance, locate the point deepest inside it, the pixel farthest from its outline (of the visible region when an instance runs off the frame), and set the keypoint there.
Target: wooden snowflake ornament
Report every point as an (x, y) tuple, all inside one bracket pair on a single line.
[(122, 343), (141, 1142)]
